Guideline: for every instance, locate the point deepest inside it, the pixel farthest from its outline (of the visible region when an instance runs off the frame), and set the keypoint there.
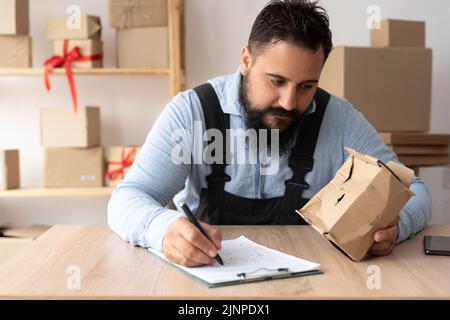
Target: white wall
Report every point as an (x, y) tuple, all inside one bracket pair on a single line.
[(215, 32)]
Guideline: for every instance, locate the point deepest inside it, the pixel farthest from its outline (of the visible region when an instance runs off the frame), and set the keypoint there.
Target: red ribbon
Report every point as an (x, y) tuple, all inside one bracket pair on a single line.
[(124, 163), (66, 61)]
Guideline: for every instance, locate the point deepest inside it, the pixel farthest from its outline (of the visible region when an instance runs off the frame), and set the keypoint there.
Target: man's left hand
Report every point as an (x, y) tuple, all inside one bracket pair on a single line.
[(384, 240)]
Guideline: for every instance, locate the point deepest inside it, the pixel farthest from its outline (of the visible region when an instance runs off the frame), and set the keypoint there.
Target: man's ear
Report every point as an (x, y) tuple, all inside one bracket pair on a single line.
[(246, 60)]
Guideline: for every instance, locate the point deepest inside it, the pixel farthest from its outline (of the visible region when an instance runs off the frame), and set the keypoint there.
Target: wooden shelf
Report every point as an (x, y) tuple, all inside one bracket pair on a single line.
[(55, 192), (94, 71), (175, 71)]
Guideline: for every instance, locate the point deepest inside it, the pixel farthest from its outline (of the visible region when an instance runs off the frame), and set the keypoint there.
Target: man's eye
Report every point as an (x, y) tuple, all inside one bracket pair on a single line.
[(306, 86), (277, 82)]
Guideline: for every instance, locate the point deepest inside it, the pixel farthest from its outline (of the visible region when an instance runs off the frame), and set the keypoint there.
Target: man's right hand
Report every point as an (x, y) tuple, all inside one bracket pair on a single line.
[(184, 243)]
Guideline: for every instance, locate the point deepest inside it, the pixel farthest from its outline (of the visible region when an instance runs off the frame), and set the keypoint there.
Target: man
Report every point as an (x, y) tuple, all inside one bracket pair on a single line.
[(275, 88)]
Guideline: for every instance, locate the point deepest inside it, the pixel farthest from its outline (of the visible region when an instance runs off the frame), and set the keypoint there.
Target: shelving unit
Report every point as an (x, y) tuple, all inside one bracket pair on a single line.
[(55, 192), (175, 72), (87, 72)]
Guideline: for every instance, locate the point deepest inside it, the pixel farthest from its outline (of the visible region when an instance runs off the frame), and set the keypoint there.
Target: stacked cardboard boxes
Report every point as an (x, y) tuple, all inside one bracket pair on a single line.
[(84, 34), (390, 83), (419, 149), (142, 32), (73, 156), (15, 43)]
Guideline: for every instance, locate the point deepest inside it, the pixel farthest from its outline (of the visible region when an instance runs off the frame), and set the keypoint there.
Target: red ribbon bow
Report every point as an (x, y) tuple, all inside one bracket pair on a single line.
[(124, 163), (66, 62)]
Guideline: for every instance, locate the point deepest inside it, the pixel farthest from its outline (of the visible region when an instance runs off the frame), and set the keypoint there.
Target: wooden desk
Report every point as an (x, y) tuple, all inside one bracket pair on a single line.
[(112, 268)]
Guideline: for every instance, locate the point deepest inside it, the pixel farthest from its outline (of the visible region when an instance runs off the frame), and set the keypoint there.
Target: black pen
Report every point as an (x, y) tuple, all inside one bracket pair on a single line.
[(194, 221)]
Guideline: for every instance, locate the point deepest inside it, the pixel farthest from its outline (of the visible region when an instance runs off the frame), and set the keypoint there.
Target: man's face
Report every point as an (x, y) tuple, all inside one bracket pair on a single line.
[(279, 83)]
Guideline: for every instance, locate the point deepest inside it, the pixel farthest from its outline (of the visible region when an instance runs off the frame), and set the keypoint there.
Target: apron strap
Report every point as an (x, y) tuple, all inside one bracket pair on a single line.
[(215, 118), (301, 160)]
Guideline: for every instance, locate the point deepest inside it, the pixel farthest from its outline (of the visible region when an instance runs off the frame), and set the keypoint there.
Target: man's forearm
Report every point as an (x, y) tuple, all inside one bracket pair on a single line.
[(137, 217), (417, 211)]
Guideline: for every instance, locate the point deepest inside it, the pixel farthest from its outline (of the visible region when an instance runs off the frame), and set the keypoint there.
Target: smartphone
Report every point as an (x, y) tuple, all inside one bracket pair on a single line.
[(437, 245)]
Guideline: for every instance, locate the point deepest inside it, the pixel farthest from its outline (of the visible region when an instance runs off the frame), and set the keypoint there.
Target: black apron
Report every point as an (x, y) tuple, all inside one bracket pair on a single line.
[(219, 207)]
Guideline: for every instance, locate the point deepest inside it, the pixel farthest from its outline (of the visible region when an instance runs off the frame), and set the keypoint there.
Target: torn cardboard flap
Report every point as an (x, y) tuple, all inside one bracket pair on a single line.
[(403, 173), (363, 197)]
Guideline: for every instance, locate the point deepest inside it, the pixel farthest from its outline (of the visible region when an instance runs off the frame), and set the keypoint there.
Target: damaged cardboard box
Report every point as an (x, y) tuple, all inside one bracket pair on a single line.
[(15, 17), (119, 160), (73, 167), (91, 48), (15, 52), (143, 48), (137, 13), (398, 33), (364, 196), (390, 86), (62, 127), (58, 28), (12, 240), (9, 169)]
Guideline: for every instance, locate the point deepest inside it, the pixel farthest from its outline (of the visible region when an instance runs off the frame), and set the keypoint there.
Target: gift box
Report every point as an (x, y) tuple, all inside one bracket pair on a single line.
[(90, 28), (62, 127), (15, 51), (9, 169), (365, 195), (15, 17), (137, 13), (398, 33), (73, 167), (119, 160), (143, 48), (91, 49)]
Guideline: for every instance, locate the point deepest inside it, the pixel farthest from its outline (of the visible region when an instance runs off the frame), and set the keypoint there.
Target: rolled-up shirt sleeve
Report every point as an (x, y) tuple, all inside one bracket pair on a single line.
[(362, 136), (136, 209)]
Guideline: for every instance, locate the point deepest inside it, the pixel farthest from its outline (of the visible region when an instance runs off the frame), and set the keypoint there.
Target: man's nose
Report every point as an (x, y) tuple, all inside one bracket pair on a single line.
[(288, 98)]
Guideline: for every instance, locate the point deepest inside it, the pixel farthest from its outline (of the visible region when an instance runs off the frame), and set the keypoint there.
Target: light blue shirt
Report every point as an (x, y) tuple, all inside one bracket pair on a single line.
[(136, 210)]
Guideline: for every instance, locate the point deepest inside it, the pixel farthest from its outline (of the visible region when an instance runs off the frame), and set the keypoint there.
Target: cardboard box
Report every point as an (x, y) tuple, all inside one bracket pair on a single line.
[(15, 51), (9, 169), (90, 28), (14, 240), (395, 138), (15, 17), (119, 160), (62, 127), (390, 86), (362, 198), (143, 48), (87, 48), (398, 33), (73, 167), (137, 13), (406, 150), (425, 160)]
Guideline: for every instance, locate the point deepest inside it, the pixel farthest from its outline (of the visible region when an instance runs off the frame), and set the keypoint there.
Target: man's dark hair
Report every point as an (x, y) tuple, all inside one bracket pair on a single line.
[(300, 22)]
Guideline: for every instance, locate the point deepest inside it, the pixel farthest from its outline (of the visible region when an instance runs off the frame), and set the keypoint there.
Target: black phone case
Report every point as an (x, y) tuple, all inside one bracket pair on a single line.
[(430, 251)]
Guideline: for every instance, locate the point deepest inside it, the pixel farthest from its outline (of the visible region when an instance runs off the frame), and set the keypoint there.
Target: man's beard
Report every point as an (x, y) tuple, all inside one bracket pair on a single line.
[(254, 119)]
